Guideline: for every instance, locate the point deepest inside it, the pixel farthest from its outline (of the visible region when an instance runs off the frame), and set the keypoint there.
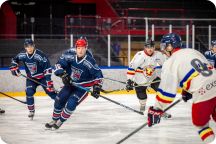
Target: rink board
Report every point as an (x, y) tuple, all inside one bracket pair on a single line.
[(15, 86)]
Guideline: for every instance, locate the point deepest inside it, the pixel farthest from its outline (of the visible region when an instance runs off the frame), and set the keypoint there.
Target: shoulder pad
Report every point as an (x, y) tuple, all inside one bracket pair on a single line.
[(40, 56), (90, 62), (71, 50), (22, 55), (68, 56)]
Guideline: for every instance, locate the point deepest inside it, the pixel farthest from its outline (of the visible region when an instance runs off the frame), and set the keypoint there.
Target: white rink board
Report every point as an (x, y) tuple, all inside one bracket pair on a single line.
[(11, 83), (96, 121)]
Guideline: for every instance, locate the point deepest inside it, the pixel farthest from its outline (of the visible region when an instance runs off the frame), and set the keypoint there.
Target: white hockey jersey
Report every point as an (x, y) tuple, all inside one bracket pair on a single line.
[(144, 68), (186, 68)]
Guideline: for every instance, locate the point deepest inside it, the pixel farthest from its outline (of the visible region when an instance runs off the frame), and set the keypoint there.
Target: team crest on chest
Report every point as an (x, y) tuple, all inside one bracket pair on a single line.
[(32, 67), (76, 73), (148, 70)]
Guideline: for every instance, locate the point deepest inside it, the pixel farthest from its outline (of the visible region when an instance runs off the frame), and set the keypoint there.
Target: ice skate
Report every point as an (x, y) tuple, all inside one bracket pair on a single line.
[(50, 124), (31, 115), (57, 125), (2, 111), (142, 105), (142, 108)]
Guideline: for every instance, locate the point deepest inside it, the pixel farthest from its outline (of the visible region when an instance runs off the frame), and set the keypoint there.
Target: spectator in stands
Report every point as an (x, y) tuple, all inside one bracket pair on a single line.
[(116, 47)]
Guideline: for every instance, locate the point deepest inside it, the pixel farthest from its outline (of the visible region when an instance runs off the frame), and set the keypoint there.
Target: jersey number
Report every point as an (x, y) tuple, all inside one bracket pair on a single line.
[(201, 67)]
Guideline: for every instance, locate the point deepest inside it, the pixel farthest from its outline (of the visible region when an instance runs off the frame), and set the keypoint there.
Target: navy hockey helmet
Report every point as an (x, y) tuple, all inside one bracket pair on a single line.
[(149, 43), (171, 38), (28, 42), (213, 43)]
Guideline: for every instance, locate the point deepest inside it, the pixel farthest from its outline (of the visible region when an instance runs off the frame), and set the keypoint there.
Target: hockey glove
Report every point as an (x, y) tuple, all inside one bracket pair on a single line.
[(50, 87), (96, 90), (186, 96), (129, 85), (15, 70), (154, 116), (66, 79)]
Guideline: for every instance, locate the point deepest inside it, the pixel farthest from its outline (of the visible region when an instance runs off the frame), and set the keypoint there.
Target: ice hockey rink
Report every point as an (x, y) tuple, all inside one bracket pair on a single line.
[(96, 121)]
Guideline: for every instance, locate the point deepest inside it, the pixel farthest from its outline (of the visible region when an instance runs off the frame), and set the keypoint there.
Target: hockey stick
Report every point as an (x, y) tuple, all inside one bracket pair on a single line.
[(115, 80), (37, 82), (13, 98), (88, 90), (145, 124), (106, 92)]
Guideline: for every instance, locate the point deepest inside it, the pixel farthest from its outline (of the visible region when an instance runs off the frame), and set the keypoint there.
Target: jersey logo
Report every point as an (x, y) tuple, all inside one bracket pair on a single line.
[(148, 70), (202, 91), (76, 73), (32, 67)]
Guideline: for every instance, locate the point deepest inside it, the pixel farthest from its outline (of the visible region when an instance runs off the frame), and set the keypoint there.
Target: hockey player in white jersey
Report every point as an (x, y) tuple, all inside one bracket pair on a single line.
[(144, 68), (187, 68)]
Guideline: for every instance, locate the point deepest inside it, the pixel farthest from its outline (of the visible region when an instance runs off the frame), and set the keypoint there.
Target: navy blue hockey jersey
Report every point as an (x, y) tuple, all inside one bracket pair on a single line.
[(211, 57), (36, 65), (84, 72)]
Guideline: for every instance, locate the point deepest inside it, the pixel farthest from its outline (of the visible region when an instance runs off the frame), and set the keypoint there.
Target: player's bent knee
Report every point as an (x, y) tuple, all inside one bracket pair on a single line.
[(200, 122), (59, 103), (30, 92), (72, 104)]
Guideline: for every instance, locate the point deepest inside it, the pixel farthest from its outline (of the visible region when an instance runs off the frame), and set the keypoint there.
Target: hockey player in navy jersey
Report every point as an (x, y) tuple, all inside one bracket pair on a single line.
[(211, 54), (37, 67), (188, 69), (81, 69)]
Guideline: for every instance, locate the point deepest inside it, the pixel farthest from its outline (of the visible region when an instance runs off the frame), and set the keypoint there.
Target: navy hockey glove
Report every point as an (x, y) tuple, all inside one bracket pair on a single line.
[(154, 116), (186, 96), (15, 70), (50, 86), (129, 85), (66, 79), (96, 90)]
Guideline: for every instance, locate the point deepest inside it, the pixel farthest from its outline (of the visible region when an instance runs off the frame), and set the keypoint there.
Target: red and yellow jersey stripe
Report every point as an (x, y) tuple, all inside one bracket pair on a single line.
[(164, 97), (131, 71), (186, 81), (139, 70)]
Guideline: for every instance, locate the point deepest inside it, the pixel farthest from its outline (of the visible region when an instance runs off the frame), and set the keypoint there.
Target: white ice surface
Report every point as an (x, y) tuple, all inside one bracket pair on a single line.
[(95, 121)]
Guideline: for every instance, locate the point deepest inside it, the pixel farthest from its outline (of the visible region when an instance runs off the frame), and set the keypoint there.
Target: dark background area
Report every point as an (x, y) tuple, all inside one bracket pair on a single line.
[(53, 21)]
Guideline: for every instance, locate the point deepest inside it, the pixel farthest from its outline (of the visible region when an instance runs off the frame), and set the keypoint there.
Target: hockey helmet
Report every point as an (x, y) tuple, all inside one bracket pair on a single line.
[(171, 38), (83, 37), (81, 42), (213, 43), (149, 43), (28, 42)]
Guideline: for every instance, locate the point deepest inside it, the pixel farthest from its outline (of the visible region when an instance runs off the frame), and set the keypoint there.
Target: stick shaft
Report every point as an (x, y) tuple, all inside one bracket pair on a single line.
[(13, 98), (105, 91), (37, 82), (145, 124), (115, 80), (88, 90)]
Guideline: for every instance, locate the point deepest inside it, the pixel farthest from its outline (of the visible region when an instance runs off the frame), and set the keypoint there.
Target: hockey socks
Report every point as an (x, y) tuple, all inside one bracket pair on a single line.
[(206, 134)]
